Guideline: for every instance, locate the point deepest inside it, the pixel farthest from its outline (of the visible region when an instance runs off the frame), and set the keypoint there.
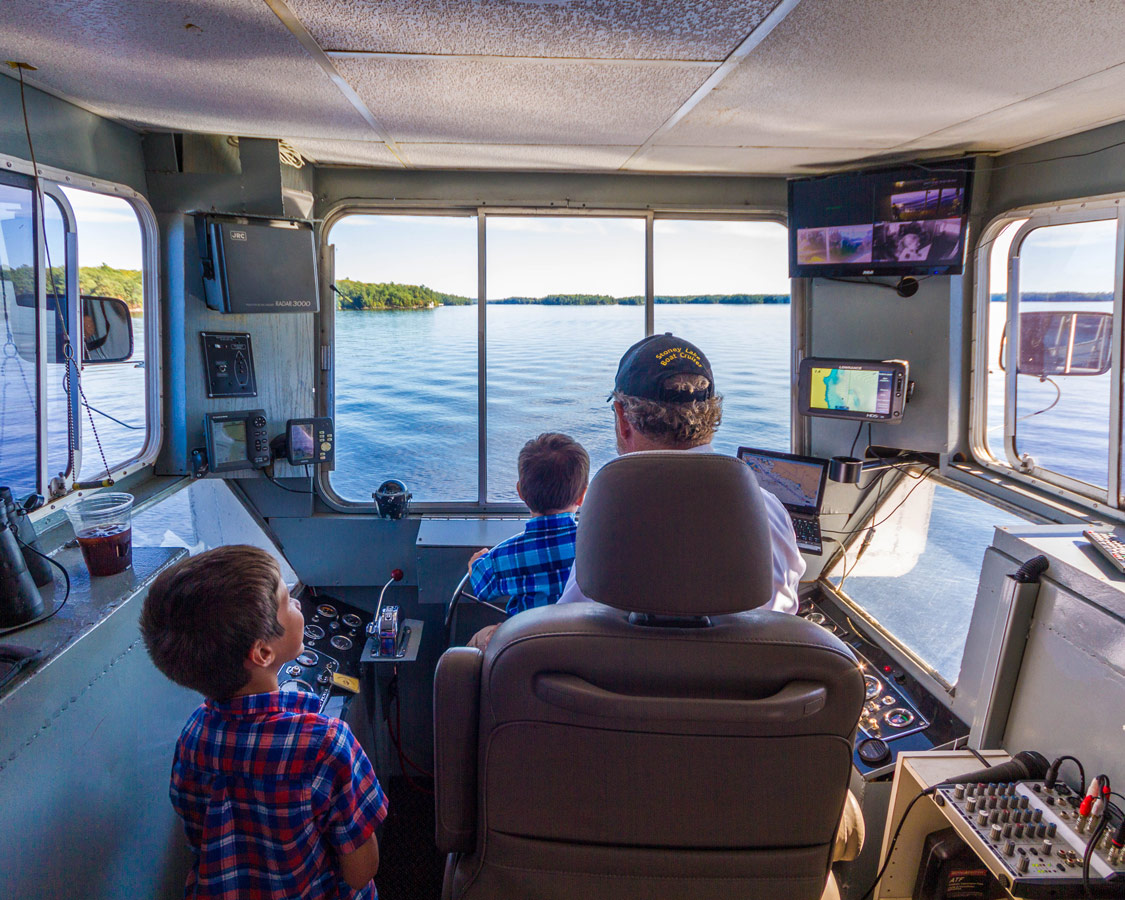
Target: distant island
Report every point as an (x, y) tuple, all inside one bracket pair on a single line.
[(352, 294)]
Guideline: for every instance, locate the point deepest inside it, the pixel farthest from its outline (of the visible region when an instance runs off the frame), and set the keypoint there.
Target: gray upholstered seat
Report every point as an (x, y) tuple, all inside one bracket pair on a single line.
[(669, 741)]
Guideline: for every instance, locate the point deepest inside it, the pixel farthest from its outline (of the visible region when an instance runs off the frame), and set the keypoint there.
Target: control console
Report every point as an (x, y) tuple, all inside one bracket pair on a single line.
[(898, 712), (334, 638), (1033, 838)]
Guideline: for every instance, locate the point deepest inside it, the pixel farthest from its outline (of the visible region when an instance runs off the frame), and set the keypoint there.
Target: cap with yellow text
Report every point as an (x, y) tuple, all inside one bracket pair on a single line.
[(647, 367)]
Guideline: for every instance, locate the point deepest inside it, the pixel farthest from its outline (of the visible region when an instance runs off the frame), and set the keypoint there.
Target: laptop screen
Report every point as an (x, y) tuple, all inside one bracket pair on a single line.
[(797, 481)]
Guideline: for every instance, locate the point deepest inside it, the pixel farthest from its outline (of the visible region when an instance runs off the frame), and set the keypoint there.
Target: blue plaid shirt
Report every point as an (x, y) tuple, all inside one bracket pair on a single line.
[(530, 568), (271, 793)]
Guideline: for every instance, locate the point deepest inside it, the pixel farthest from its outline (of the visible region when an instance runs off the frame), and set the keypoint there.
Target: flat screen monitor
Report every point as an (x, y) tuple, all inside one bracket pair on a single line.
[(873, 390), (301, 446), (904, 221)]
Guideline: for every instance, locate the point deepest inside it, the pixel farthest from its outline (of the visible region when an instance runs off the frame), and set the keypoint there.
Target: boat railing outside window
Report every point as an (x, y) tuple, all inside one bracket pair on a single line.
[(1047, 365), (432, 387), (48, 391)]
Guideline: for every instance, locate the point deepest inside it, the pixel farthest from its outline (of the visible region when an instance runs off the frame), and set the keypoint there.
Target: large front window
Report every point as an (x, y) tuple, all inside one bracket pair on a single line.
[(433, 390)]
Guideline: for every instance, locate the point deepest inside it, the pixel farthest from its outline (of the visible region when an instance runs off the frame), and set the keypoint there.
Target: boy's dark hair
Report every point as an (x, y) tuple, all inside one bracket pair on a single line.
[(201, 617), (554, 470)]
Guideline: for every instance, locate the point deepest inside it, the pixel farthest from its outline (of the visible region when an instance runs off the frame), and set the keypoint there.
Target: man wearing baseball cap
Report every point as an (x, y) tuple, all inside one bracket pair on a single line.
[(664, 399)]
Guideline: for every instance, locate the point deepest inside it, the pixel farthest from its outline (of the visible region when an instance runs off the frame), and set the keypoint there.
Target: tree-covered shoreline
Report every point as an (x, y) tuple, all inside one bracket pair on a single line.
[(361, 295)]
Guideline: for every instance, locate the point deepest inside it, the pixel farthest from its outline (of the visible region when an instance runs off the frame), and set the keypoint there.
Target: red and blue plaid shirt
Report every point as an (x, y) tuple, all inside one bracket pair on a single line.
[(530, 568), (271, 793)]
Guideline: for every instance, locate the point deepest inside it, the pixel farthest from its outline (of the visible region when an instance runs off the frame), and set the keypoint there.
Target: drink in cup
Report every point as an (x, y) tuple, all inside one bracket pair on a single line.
[(103, 526)]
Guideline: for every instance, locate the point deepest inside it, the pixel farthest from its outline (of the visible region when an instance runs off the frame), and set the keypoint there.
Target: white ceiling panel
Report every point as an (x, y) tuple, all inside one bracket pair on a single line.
[(880, 74), (743, 160), (524, 157), (618, 29), (223, 66), (350, 153), (1087, 103), (447, 100)]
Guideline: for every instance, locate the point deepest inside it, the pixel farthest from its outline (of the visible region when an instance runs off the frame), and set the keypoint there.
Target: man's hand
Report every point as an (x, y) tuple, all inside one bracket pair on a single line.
[(472, 559)]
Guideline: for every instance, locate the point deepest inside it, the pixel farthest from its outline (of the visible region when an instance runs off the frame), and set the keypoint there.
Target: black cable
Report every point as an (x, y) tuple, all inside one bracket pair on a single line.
[(66, 595), (1103, 788), (984, 762), (1057, 764), (921, 478), (858, 432), (891, 847), (277, 484)]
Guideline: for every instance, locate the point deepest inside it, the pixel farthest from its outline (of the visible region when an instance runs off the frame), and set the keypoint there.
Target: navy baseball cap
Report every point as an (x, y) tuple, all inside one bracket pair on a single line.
[(648, 364)]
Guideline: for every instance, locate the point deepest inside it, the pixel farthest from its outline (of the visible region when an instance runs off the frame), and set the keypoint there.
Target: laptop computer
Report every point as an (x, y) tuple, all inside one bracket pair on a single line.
[(798, 482)]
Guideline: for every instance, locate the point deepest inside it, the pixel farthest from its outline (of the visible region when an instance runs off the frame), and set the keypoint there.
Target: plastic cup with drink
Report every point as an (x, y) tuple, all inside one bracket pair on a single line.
[(103, 526)]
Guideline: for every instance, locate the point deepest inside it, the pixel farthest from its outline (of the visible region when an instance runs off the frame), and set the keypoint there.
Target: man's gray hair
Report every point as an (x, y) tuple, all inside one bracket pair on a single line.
[(675, 424)]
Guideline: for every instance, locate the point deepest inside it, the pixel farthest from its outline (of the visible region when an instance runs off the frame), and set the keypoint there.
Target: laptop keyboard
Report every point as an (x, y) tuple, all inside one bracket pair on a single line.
[(808, 532)]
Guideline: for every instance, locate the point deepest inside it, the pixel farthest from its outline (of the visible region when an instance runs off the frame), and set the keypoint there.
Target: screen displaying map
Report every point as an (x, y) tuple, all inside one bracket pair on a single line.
[(796, 484), (851, 390)]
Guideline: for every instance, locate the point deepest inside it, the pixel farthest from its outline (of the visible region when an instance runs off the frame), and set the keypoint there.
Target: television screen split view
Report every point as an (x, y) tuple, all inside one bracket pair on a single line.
[(908, 221)]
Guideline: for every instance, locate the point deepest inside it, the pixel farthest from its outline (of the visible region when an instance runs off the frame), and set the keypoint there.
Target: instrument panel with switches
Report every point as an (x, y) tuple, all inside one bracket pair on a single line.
[(1033, 838), (898, 712), (334, 638)]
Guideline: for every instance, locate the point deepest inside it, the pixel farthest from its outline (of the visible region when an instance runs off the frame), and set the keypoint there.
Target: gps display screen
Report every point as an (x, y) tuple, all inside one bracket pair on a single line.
[(228, 439), (851, 390)]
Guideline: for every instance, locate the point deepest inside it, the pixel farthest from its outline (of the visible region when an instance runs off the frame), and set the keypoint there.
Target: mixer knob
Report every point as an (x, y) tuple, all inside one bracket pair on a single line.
[(1006, 816), (971, 804), (1041, 829), (1023, 802), (1009, 848), (1022, 865), (1037, 815), (1019, 831), (1051, 829), (1008, 830), (982, 817), (994, 834), (1047, 847), (959, 792)]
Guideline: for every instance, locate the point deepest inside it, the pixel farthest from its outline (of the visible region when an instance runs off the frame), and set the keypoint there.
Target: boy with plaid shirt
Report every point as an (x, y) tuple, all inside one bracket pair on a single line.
[(277, 800), (530, 569)]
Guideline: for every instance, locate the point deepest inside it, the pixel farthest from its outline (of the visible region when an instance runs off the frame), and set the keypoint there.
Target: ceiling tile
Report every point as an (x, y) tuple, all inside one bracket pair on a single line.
[(223, 66), (619, 29), (520, 102), (868, 73), (525, 157)]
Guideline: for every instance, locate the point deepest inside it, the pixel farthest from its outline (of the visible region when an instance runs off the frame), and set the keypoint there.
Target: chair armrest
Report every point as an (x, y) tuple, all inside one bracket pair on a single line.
[(456, 724)]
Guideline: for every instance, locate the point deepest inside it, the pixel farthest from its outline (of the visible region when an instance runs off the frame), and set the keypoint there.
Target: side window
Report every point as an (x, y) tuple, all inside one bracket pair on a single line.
[(112, 409), (725, 285), (18, 379), (1050, 365)]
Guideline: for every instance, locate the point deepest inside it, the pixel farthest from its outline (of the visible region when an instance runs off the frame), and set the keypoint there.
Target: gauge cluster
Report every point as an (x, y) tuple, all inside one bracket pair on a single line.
[(334, 639), (899, 713)]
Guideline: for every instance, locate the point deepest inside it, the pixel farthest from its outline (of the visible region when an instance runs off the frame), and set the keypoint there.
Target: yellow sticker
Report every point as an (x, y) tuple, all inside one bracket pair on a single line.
[(346, 682)]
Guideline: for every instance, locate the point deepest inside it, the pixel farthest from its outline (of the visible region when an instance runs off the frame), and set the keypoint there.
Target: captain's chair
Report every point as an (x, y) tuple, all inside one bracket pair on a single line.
[(668, 741)]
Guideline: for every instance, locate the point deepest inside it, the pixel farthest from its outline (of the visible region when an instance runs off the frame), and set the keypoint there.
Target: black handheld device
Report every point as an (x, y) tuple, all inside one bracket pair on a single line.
[(237, 440), (869, 389), (309, 441)]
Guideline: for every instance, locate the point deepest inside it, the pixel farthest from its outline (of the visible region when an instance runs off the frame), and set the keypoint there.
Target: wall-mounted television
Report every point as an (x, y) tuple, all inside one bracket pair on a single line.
[(901, 221)]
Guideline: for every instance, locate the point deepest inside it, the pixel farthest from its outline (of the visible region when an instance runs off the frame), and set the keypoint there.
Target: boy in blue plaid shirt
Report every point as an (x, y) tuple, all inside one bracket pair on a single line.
[(531, 569), (277, 800)]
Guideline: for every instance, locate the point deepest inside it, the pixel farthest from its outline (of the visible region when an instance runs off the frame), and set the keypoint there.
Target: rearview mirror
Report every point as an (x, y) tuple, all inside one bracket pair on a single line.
[(107, 330), (1060, 342)]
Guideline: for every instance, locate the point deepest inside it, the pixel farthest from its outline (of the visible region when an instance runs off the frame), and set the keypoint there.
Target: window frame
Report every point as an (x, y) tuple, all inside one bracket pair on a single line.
[(325, 330), (1072, 490), (51, 180)]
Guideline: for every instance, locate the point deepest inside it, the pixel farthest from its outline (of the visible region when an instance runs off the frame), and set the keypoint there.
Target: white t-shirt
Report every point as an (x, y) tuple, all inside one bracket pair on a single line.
[(788, 566)]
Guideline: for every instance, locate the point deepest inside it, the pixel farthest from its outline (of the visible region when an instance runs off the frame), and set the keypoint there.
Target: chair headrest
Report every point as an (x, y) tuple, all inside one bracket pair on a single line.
[(673, 533)]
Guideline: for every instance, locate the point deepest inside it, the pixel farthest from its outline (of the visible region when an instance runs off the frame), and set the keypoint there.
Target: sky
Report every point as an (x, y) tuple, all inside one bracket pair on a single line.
[(538, 255), (108, 230)]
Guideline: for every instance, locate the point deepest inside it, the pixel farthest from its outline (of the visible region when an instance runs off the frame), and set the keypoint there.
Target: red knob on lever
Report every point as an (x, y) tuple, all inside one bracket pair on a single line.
[(396, 574)]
